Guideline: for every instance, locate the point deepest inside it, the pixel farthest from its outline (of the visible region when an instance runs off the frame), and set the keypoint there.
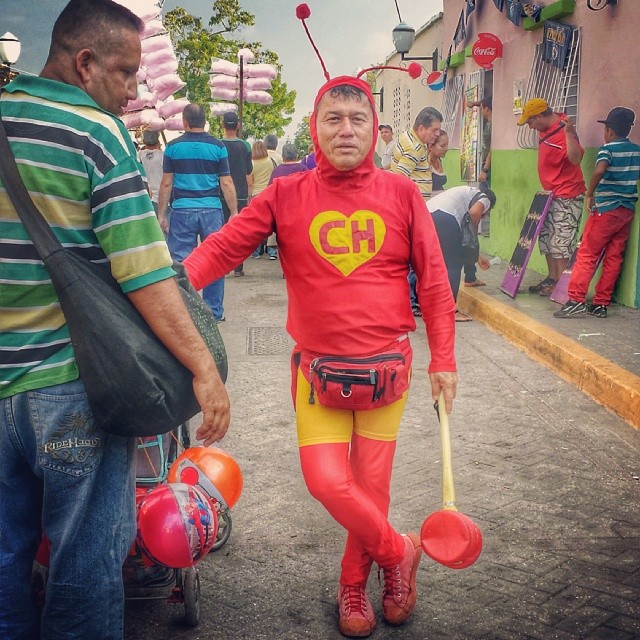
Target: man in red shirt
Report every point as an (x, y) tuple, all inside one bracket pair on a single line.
[(347, 233), (559, 157)]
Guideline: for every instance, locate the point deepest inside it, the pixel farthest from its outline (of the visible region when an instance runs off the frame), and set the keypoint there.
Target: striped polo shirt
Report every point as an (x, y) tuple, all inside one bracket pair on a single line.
[(79, 165), (196, 160), (618, 186), (411, 158)]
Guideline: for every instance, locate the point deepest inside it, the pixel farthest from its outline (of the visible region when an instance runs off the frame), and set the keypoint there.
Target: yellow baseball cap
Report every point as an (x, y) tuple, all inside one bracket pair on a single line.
[(533, 107)]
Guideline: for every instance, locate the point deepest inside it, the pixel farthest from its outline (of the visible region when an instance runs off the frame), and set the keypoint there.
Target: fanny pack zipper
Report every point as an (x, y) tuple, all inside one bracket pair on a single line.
[(354, 376)]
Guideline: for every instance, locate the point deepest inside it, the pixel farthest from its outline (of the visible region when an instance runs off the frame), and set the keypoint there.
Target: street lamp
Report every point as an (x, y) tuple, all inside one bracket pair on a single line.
[(9, 54), (9, 49), (403, 36)]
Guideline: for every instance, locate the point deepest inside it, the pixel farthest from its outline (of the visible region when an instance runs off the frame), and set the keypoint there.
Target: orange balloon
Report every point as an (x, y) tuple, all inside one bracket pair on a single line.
[(213, 471)]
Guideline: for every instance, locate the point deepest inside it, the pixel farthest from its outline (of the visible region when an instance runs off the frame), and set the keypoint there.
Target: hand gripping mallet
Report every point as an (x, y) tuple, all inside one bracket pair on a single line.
[(448, 536)]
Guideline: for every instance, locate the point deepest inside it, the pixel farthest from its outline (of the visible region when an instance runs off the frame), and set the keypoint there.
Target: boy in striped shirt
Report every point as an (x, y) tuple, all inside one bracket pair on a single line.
[(611, 199)]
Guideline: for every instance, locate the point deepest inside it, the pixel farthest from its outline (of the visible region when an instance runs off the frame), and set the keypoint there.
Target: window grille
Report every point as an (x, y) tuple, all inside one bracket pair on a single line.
[(451, 102), (397, 111), (476, 79), (559, 87), (407, 107)]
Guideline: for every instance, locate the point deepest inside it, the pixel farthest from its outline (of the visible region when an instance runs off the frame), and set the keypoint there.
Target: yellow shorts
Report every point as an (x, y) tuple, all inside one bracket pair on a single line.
[(317, 424)]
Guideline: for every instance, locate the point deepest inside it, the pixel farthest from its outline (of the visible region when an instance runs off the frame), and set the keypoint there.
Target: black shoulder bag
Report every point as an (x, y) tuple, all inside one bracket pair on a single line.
[(135, 386)]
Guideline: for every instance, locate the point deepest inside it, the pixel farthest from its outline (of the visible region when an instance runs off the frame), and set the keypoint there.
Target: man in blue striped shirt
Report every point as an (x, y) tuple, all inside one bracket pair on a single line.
[(195, 168), (611, 201)]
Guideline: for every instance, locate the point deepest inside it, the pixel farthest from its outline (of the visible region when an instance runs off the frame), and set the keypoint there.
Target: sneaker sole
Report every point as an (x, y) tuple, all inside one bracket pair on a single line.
[(569, 314), (355, 634)]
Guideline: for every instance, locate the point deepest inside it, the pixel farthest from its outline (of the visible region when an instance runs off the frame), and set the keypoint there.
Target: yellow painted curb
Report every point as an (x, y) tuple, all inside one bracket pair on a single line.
[(606, 382)]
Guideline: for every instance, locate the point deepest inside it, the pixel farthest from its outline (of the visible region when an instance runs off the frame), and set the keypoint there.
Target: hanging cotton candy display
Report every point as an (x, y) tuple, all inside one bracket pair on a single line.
[(157, 77), (225, 81)]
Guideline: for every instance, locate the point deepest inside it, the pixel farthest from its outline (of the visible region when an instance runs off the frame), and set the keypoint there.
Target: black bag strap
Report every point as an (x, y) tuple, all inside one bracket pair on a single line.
[(560, 126), (474, 200), (43, 238)]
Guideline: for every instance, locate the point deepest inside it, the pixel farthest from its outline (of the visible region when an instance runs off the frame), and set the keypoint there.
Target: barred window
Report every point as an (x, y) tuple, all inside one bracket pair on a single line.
[(398, 125), (451, 102), (559, 87)]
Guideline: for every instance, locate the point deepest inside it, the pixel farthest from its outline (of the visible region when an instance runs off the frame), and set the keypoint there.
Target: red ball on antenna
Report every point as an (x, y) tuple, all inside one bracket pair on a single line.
[(414, 70), (303, 11)]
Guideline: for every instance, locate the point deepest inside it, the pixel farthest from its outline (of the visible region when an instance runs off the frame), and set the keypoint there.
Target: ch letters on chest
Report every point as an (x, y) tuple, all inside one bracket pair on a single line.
[(347, 242)]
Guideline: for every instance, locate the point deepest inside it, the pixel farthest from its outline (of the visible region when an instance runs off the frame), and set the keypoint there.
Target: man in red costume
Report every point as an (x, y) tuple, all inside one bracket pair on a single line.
[(347, 233)]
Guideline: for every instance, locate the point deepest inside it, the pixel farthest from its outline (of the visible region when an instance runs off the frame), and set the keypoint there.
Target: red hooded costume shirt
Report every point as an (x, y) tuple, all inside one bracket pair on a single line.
[(345, 241)]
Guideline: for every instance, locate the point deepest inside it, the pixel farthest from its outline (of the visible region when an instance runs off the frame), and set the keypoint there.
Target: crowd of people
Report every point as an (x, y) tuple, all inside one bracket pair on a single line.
[(346, 235), (611, 199)]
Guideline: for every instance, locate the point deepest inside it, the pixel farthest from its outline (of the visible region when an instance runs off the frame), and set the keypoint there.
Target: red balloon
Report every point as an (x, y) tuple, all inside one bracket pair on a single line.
[(213, 471), (177, 525)]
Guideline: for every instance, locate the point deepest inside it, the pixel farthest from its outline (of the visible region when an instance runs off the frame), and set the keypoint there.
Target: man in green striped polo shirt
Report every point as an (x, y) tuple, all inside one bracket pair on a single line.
[(58, 472), (411, 153)]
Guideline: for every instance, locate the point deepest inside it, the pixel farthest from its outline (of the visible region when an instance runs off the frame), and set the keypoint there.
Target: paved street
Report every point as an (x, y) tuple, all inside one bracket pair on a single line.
[(551, 477)]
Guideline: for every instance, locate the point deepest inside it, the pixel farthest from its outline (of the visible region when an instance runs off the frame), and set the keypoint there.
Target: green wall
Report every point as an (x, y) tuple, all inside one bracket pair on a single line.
[(515, 181)]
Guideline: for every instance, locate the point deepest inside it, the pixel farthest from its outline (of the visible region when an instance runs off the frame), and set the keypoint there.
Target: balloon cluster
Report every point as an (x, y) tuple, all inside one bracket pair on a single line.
[(225, 82), (155, 107), (178, 521)]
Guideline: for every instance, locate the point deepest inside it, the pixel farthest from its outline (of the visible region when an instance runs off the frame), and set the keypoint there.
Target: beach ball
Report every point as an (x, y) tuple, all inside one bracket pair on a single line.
[(177, 525), (211, 470)]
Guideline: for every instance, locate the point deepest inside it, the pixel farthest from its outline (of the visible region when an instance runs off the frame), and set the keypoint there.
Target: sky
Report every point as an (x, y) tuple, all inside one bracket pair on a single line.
[(349, 34)]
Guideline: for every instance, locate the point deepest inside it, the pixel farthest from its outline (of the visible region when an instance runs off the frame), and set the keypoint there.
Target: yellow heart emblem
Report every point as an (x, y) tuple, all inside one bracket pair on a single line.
[(347, 241)]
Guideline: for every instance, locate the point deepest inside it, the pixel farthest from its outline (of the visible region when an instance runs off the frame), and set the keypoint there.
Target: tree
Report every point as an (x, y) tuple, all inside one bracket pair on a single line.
[(302, 137), (196, 44)]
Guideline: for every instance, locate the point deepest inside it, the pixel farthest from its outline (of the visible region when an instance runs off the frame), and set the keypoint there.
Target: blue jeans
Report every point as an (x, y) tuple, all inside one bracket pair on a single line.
[(61, 474), (450, 237), (470, 271), (413, 295), (185, 227)]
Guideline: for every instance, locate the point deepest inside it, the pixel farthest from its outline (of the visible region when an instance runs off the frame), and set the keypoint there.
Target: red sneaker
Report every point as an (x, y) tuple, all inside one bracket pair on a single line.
[(399, 593), (357, 619)]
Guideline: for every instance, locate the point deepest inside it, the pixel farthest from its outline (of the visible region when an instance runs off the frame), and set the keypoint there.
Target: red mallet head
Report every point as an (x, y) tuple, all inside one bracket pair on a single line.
[(451, 538)]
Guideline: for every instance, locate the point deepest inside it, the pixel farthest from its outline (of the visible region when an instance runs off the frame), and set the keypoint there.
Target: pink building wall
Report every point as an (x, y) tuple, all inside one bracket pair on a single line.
[(609, 66)]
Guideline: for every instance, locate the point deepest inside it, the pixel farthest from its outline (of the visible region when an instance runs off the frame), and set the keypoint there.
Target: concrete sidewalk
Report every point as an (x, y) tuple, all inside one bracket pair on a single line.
[(551, 477), (599, 356)]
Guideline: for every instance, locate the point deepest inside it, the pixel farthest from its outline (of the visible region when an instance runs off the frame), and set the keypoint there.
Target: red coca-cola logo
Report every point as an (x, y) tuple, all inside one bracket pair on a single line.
[(486, 49)]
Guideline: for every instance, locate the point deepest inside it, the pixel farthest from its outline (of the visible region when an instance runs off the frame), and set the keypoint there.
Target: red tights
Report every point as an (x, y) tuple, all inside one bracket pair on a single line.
[(352, 483), (606, 232)]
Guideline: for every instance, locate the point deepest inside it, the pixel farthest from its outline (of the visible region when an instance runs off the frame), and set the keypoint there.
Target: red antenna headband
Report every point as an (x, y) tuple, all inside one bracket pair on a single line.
[(303, 12)]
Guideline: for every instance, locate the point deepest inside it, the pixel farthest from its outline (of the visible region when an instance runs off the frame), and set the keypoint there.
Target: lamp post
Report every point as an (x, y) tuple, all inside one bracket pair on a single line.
[(403, 36), (9, 54)]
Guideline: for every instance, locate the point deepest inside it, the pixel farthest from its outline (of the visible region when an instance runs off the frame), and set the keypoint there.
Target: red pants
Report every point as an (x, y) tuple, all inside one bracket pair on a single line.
[(346, 459), (352, 483), (606, 232)]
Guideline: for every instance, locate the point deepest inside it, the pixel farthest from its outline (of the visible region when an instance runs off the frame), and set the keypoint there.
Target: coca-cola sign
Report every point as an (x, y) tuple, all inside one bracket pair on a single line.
[(486, 49)]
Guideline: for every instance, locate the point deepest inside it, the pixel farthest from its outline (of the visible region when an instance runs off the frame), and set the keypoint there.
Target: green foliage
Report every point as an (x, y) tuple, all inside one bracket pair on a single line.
[(196, 44), (302, 137)]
